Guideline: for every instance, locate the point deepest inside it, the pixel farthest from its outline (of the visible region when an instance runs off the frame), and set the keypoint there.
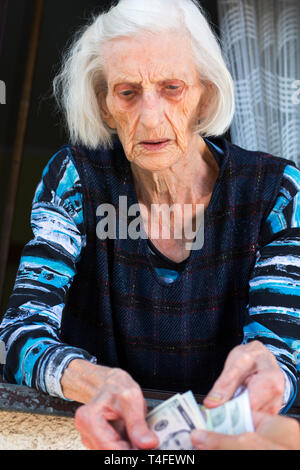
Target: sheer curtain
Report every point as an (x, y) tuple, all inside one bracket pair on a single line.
[(261, 41)]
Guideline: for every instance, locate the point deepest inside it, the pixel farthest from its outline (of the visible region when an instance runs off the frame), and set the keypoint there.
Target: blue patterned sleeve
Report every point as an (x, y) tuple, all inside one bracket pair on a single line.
[(30, 330), (274, 294)]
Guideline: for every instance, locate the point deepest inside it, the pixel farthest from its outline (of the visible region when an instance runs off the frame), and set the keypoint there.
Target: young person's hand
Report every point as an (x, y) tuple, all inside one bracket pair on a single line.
[(271, 433)]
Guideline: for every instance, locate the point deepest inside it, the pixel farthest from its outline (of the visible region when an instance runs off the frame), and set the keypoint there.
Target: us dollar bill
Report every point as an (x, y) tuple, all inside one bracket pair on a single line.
[(234, 417), (174, 419)]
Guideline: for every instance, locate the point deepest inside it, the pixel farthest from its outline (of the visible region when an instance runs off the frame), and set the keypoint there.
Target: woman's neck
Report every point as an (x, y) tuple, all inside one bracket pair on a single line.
[(188, 181)]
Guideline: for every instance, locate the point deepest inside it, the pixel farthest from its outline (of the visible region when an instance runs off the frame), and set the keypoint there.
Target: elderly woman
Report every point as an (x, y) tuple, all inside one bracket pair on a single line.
[(147, 96)]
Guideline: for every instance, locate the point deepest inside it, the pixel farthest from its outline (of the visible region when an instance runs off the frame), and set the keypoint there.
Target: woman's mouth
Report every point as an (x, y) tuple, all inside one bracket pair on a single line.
[(154, 145)]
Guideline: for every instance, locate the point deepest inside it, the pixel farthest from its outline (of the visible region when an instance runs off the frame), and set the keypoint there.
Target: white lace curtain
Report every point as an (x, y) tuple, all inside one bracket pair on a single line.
[(261, 42)]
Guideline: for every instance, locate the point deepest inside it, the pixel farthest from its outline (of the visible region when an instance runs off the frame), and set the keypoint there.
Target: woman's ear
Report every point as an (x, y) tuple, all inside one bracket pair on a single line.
[(104, 111)]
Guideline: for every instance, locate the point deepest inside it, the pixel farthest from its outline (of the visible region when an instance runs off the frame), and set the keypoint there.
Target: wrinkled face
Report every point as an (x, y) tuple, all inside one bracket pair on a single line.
[(154, 97)]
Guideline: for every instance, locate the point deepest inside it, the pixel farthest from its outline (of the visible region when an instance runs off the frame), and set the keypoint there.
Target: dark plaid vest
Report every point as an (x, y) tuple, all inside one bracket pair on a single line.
[(175, 336)]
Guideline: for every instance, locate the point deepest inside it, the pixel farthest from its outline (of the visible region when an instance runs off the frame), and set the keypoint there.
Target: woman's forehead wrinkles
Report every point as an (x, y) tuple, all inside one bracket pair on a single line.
[(135, 62), (144, 77), (125, 78)]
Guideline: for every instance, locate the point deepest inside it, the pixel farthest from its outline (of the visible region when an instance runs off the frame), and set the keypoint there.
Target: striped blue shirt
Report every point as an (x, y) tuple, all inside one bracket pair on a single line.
[(31, 324)]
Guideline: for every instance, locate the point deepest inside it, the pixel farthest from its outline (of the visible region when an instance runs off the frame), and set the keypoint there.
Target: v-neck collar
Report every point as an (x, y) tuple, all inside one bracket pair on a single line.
[(124, 168)]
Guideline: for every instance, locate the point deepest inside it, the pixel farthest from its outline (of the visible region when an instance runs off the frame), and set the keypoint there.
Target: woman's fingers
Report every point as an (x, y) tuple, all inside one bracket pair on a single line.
[(255, 366), (115, 418), (266, 390), (132, 405), (239, 365), (94, 445), (96, 432)]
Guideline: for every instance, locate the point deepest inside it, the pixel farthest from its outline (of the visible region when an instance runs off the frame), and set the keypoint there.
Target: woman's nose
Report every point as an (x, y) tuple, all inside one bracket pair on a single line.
[(151, 111)]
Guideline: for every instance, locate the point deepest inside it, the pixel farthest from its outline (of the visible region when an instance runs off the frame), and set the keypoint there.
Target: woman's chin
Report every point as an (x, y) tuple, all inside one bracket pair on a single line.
[(156, 161)]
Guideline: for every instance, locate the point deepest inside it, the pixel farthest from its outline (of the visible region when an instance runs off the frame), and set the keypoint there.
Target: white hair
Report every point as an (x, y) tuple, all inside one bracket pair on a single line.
[(75, 87)]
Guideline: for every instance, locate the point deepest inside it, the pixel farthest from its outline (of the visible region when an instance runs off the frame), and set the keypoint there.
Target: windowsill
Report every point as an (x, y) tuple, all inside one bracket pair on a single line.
[(16, 398)]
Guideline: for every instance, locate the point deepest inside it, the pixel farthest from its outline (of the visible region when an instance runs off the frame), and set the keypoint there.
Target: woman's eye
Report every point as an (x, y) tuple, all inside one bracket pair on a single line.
[(173, 90), (126, 93)]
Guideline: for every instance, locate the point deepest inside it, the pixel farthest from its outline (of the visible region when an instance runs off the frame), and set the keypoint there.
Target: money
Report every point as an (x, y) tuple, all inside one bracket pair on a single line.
[(174, 419), (234, 417)]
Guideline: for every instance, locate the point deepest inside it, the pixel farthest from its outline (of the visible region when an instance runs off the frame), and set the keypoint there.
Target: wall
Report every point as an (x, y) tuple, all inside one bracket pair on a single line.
[(20, 431)]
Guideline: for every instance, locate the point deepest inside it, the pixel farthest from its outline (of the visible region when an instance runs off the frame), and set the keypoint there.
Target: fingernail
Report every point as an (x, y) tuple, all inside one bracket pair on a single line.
[(199, 436), (146, 438), (215, 397)]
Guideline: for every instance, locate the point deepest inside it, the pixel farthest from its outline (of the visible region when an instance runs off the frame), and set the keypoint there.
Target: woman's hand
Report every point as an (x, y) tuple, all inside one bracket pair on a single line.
[(271, 433), (256, 367), (115, 417)]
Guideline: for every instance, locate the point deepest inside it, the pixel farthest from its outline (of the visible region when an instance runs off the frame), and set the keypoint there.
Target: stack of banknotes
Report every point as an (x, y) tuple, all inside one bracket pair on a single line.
[(174, 419)]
